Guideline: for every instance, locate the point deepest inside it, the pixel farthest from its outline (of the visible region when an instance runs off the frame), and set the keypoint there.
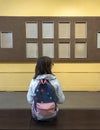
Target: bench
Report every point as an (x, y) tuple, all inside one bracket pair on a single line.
[(67, 119)]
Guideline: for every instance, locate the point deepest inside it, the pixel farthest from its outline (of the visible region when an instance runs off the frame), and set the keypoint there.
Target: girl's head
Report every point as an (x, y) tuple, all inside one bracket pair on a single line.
[(43, 66)]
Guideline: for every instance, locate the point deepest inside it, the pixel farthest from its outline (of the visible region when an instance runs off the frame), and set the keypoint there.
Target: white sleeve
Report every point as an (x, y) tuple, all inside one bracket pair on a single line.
[(60, 94), (30, 93)]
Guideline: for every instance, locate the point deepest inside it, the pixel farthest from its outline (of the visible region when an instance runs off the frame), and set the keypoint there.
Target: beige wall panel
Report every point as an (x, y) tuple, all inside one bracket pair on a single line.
[(60, 67), (15, 81), (11, 68), (79, 81), (76, 67), (73, 77), (69, 81)]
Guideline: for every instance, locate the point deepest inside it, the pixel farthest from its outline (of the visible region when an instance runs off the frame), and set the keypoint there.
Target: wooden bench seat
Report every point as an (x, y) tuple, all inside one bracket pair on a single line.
[(68, 119)]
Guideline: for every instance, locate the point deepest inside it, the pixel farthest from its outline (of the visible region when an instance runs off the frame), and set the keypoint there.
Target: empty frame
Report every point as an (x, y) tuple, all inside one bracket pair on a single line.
[(48, 30), (6, 40), (80, 50), (31, 50), (48, 49), (64, 50), (31, 30), (80, 30), (98, 40), (64, 30)]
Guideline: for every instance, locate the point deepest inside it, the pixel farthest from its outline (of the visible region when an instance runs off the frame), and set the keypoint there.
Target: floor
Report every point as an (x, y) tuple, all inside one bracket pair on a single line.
[(67, 119), (74, 100), (81, 111)]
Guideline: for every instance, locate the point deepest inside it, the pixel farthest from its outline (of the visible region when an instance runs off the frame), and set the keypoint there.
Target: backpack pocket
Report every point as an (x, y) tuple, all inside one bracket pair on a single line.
[(46, 109)]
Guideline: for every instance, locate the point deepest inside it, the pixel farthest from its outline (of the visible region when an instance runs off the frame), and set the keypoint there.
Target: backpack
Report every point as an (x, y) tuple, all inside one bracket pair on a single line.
[(45, 99)]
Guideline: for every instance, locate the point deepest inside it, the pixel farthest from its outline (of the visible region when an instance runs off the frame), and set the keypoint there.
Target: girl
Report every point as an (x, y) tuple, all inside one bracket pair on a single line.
[(43, 70)]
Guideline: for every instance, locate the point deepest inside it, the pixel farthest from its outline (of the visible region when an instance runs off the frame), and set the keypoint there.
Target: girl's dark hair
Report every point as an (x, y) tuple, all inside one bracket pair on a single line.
[(43, 66)]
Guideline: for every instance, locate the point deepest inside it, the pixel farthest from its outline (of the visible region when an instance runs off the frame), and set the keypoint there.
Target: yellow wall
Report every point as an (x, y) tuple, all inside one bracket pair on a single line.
[(50, 7), (73, 77)]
